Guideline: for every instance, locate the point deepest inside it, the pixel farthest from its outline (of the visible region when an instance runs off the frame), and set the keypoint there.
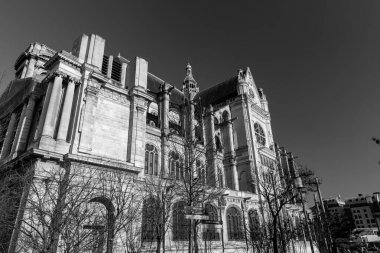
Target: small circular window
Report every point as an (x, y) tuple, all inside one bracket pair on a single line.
[(259, 132)]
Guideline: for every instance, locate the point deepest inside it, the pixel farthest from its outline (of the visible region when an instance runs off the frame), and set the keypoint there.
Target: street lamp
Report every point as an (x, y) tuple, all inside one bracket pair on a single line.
[(301, 190)]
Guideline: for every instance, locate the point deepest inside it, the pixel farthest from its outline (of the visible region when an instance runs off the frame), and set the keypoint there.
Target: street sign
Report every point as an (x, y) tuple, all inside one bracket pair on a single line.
[(196, 217), (193, 209)]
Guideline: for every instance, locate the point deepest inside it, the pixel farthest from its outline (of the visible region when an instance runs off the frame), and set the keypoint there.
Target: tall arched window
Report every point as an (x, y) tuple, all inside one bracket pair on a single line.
[(176, 166), (260, 135), (151, 220), (225, 116), (211, 234), (234, 224), (151, 160), (254, 224), (180, 224), (201, 172), (220, 177)]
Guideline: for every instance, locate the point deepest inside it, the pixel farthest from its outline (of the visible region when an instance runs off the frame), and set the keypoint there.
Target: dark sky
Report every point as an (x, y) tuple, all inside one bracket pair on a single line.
[(318, 62)]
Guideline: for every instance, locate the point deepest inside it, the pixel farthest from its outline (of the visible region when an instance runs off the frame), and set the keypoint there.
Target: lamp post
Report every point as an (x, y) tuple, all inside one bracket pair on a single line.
[(301, 190)]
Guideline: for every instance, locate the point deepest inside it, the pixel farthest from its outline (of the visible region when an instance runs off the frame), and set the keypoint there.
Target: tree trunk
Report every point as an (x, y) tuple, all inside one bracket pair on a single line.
[(274, 240)]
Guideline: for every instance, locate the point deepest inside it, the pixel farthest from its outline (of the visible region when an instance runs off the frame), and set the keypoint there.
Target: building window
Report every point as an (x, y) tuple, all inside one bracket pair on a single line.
[(211, 234), (201, 172), (151, 220), (176, 166), (234, 224), (180, 224), (254, 224), (259, 132), (220, 178), (151, 160)]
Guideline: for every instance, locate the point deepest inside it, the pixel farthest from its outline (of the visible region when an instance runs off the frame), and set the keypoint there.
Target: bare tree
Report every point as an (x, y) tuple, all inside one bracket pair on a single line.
[(277, 194), (73, 208)]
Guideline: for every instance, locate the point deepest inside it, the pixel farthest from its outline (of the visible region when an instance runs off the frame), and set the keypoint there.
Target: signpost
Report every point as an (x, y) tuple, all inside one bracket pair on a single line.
[(196, 217)]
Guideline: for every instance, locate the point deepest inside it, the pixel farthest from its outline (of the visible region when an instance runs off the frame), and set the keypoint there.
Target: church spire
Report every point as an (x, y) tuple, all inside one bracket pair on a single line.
[(189, 83)]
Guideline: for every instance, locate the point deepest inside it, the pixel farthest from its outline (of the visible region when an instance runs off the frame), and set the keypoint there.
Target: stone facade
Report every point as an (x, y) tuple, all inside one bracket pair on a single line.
[(100, 110)]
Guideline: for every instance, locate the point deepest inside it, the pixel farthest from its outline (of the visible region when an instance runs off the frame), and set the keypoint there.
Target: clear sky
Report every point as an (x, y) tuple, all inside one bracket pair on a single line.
[(317, 61)]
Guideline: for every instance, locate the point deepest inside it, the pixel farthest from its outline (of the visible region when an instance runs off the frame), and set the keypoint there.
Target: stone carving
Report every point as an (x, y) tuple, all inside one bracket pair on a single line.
[(113, 95)]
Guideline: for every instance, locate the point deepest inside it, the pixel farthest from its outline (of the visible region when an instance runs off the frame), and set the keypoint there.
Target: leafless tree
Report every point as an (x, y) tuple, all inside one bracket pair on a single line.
[(74, 208)]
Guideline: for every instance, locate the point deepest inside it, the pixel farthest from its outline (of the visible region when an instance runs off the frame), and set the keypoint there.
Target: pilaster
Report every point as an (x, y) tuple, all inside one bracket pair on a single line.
[(86, 127), (31, 67), (123, 74), (8, 136), (24, 125), (109, 69), (19, 129), (136, 150)]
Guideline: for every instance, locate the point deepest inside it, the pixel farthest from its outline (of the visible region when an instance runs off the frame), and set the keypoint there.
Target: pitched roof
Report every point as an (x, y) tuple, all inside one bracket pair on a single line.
[(219, 93), (154, 83)]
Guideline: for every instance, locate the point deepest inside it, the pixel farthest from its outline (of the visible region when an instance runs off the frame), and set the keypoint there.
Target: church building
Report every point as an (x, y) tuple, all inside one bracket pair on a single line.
[(106, 112)]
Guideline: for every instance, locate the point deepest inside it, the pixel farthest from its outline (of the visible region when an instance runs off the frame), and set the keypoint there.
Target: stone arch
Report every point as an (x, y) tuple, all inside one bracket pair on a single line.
[(151, 166), (243, 181), (234, 223), (180, 227), (110, 226), (151, 219), (226, 115)]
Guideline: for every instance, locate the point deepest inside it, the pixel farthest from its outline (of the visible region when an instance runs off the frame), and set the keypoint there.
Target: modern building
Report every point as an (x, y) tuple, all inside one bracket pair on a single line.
[(102, 112), (365, 210)]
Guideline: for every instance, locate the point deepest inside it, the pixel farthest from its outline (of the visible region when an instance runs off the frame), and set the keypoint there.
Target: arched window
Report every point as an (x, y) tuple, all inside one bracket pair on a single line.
[(106, 226), (180, 224), (220, 177), (210, 234), (218, 144), (254, 221), (175, 166), (259, 132), (234, 224), (201, 172), (151, 220), (226, 116), (151, 160)]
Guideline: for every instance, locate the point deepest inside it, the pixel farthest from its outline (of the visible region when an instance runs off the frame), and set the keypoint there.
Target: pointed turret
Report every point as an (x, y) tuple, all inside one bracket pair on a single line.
[(190, 86)]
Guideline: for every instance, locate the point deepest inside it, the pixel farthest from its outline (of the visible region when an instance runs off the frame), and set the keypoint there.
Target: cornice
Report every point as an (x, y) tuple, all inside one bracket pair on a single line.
[(66, 58)]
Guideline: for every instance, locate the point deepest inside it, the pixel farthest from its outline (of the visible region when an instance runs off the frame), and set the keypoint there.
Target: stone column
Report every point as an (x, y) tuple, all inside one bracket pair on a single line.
[(23, 128), (53, 106), (123, 74), (24, 68), (31, 67), (19, 128), (109, 69), (213, 175), (136, 151), (8, 136), (66, 110), (88, 114), (164, 111), (235, 174), (231, 150)]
